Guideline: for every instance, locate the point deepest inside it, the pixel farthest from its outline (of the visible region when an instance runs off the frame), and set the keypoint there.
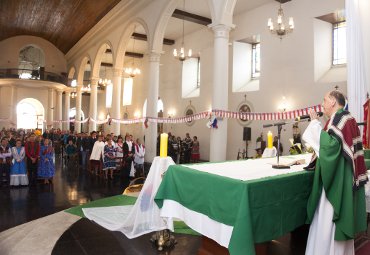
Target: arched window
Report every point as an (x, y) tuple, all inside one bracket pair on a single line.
[(31, 60)]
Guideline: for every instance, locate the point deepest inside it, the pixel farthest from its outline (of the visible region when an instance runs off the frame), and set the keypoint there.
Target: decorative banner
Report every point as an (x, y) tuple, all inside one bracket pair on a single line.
[(198, 116)]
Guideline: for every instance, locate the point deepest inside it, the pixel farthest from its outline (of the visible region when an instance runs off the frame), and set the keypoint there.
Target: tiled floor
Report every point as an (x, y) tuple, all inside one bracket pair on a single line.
[(73, 186)]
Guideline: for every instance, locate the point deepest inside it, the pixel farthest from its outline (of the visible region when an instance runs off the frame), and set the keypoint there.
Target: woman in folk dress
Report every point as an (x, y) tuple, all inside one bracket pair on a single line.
[(18, 171)]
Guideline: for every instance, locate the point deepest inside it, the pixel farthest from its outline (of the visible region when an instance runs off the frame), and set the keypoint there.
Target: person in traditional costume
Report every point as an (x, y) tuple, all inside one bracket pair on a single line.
[(46, 168), (119, 152), (336, 206), (128, 157), (109, 162), (32, 148), (5, 162), (139, 158), (195, 154), (18, 172), (97, 155)]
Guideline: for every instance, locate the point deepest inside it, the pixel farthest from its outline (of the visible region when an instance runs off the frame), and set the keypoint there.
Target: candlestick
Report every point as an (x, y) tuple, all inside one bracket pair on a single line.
[(164, 144), (269, 140)]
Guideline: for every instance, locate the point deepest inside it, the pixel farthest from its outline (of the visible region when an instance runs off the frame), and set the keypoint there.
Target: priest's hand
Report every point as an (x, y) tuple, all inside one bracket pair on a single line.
[(313, 114)]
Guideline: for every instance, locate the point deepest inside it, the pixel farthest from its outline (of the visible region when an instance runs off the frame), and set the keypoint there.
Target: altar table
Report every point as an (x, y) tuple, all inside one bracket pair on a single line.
[(237, 203)]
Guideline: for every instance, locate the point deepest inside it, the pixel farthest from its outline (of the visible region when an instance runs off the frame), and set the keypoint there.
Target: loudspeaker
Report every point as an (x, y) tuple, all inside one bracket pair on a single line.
[(247, 134)]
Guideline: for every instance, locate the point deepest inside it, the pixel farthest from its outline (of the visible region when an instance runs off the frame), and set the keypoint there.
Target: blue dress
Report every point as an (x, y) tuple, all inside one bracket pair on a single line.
[(46, 168), (18, 171), (109, 163)]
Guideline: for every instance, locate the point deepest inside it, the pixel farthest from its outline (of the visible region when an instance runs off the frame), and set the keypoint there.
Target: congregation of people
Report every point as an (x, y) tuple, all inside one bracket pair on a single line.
[(28, 157)]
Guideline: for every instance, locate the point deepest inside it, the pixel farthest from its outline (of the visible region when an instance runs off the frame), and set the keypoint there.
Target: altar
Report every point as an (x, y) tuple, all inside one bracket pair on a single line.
[(237, 204)]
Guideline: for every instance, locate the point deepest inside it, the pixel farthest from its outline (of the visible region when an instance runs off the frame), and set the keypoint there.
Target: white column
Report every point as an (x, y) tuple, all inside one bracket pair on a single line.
[(116, 103), (67, 103), (218, 143), (93, 103), (13, 107), (59, 109), (51, 108), (78, 108), (151, 108)]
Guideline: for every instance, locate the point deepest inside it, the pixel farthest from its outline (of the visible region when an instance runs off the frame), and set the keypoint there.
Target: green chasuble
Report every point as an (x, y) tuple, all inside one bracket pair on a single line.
[(334, 174)]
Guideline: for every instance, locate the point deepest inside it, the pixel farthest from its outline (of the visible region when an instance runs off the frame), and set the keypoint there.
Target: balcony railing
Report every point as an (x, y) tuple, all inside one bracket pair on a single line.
[(29, 74)]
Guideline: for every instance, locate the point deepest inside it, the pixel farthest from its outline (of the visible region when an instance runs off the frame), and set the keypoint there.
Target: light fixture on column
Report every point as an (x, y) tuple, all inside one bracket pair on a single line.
[(86, 89), (73, 95), (132, 71), (281, 29), (180, 55)]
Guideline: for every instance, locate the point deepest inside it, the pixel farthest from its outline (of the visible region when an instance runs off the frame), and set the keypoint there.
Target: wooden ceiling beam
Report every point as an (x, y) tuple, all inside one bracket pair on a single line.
[(283, 1), (129, 54), (143, 37), (180, 14)]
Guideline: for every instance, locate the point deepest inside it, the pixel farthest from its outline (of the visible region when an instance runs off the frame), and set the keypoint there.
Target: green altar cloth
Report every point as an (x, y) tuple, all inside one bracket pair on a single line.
[(259, 210)]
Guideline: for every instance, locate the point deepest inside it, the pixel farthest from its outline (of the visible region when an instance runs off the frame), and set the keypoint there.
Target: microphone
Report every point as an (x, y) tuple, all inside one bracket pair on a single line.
[(303, 117), (275, 124)]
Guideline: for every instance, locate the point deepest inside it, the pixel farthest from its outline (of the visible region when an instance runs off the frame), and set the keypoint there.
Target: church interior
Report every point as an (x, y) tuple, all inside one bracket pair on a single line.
[(233, 78)]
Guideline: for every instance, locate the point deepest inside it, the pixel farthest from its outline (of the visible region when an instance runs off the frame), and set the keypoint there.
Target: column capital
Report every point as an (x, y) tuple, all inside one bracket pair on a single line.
[(67, 92), (221, 30), (117, 72), (154, 56), (94, 81)]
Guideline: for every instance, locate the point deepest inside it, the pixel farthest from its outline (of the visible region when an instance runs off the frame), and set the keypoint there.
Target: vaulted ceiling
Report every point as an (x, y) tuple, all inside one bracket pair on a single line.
[(62, 22)]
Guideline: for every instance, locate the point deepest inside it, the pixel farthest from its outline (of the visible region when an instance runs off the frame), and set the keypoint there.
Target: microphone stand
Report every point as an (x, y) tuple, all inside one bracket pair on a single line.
[(280, 125), (278, 166)]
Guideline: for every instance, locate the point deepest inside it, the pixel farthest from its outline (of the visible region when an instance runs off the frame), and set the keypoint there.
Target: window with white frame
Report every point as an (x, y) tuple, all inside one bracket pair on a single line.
[(339, 44), (191, 77), (256, 57)]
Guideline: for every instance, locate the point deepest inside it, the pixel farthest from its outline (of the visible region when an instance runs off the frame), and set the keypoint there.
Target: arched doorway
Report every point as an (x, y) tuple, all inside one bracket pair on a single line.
[(30, 114), (72, 115)]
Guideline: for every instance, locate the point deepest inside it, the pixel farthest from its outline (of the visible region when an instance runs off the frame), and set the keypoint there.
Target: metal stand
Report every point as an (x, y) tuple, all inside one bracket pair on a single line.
[(163, 239), (278, 166)]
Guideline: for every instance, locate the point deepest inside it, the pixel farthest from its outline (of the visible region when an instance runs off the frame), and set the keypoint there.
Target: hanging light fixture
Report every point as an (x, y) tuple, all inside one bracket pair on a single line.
[(180, 55), (73, 95), (133, 71), (281, 29), (86, 89), (103, 82)]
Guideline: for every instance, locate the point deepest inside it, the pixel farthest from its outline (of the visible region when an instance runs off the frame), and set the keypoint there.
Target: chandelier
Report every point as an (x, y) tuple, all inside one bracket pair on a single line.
[(180, 55), (281, 30), (133, 71), (104, 82), (86, 89), (73, 95)]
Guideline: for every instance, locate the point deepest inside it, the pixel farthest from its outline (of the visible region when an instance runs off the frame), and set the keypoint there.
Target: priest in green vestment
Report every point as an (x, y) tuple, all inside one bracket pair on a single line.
[(336, 206)]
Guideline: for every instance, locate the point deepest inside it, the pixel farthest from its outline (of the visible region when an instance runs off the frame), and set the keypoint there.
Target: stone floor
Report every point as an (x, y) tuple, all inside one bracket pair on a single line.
[(63, 233)]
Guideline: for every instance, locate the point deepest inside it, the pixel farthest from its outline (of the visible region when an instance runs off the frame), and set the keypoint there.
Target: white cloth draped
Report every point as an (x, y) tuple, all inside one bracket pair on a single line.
[(357, 66), (144, 216)]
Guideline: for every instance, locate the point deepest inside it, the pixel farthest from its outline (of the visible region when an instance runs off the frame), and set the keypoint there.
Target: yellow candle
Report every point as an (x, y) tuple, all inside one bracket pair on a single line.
[(164, 144), (269, 140)]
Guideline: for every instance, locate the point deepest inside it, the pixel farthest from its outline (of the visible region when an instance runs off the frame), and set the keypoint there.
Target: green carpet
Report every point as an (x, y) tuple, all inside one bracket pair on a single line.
[(180, 227)]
